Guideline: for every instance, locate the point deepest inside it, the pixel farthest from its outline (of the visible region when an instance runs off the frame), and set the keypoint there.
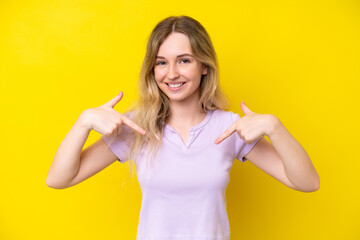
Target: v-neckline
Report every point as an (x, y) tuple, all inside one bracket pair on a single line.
[(192, 130)]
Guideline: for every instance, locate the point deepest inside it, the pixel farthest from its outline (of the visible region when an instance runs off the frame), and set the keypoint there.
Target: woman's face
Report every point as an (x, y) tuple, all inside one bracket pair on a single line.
[(177, 72)]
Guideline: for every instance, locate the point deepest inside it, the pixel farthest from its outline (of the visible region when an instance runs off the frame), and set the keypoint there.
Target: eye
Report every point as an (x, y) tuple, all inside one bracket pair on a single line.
[(185, 60), (160, 62)]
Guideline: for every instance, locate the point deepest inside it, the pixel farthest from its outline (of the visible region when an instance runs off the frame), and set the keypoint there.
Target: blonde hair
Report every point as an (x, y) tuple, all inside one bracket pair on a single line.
[(152, 109)]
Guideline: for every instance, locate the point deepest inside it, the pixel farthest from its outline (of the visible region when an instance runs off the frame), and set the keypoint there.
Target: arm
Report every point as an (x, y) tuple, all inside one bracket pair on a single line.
[(285, 159), (66, 162), (297, 164), (71, 165)]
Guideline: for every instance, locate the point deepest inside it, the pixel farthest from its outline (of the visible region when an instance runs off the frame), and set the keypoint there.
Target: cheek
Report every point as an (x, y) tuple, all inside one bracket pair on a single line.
[(159, 74), (193, 74)]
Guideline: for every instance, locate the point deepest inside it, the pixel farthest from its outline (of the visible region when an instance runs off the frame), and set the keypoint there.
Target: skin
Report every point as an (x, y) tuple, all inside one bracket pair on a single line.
[(283, 158), (170, 67), (106, 120), (72, 164)]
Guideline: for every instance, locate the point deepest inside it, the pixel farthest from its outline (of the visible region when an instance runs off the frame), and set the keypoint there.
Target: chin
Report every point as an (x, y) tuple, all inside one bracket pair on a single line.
[(178, 99)]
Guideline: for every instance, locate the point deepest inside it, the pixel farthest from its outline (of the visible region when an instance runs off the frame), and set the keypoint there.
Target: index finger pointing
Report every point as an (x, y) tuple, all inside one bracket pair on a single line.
[(225, 134), (133, 125)]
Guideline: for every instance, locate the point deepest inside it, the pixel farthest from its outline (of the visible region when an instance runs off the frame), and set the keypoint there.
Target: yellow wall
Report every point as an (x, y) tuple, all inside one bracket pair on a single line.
[(298, 60)]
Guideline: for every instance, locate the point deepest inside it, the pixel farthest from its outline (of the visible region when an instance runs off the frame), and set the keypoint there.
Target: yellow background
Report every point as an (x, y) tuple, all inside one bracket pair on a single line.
[(298, 60)]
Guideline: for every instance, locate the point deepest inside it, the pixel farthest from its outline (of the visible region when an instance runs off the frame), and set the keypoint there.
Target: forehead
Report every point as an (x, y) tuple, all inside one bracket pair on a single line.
[(175, 44)]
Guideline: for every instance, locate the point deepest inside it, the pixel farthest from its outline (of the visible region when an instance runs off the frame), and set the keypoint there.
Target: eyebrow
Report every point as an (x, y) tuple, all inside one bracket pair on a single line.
[(181, 55)]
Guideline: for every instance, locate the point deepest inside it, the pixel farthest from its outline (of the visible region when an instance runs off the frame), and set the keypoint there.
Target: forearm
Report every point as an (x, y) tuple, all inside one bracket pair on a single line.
[(66, 162), (297, 164)]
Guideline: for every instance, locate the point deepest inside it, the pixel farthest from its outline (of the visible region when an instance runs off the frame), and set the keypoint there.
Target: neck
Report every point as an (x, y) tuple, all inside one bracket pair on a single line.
[(186, 113)]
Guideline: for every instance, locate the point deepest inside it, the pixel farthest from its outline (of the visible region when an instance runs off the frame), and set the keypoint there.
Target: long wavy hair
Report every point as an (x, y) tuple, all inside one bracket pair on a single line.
[(152, 108)]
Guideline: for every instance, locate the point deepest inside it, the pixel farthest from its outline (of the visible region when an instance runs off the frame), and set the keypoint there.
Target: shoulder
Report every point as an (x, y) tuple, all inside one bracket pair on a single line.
[(222, 115), (222, 119)]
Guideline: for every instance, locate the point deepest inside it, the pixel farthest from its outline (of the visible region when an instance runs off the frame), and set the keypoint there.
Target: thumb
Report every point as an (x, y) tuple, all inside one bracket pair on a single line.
[(115, 100), (244, 108)]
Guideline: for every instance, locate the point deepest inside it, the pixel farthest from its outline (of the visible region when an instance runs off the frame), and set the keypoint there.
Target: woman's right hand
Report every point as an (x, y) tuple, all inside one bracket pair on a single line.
[(107, 121)]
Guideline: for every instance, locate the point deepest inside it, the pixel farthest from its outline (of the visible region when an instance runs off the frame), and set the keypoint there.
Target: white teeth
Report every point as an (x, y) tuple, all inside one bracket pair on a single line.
[(175, 85)]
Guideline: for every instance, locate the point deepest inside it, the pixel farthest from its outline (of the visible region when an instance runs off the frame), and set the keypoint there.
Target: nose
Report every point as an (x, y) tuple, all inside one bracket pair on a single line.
[(172, 73)]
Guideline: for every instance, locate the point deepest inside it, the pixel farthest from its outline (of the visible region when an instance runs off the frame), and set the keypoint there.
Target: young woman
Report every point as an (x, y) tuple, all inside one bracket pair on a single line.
[(181, 139)]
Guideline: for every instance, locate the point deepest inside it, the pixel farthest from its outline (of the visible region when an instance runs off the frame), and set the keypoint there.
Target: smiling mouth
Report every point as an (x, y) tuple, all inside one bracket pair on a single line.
[(175, 85)]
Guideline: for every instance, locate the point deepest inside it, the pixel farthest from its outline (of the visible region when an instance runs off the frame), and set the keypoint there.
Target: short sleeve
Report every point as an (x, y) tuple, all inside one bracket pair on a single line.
[(120, 144), (242, 148)]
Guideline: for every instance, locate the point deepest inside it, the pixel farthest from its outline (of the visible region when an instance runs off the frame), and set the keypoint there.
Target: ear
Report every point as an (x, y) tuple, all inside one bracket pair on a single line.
[(204, 69)]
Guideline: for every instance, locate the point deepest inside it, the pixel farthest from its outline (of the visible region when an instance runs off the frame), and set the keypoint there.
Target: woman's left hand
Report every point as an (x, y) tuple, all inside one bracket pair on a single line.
[(251, 126)]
